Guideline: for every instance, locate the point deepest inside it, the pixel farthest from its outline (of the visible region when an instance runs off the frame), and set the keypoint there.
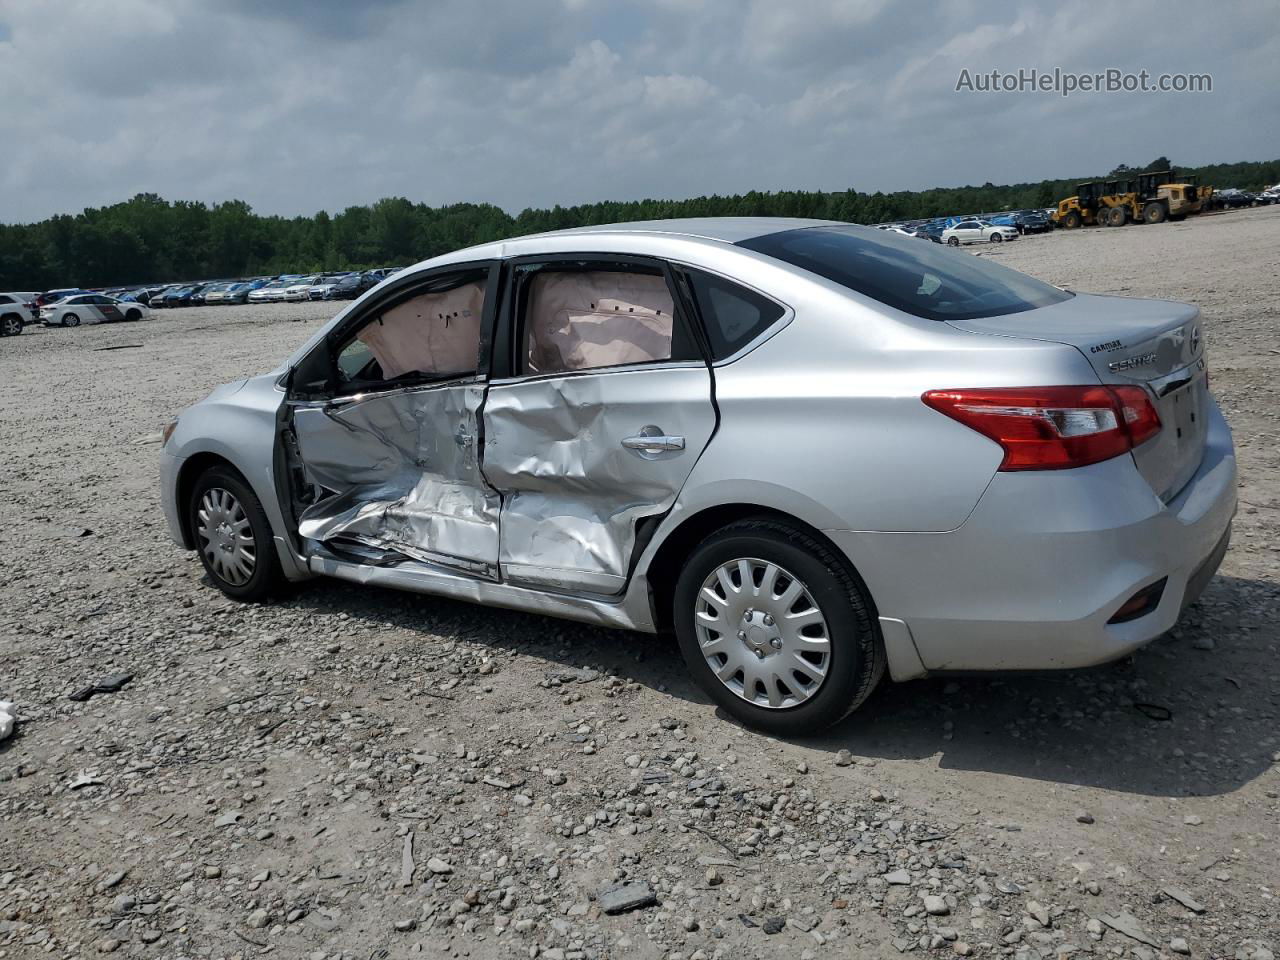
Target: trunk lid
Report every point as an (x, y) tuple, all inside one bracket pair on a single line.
[(1157, 343)]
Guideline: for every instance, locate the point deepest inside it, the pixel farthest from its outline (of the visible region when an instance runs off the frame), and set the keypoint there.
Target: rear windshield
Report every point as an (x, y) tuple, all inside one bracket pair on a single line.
[(919, 277)]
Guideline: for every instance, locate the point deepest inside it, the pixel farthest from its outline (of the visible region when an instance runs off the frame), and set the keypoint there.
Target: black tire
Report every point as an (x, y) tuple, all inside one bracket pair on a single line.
[(995, 238), (70, 320), (10, 325), (1116, 217), (953, 241), (266, 577), (856, 658), (1072, 219), (1155, 213), (133, 315)]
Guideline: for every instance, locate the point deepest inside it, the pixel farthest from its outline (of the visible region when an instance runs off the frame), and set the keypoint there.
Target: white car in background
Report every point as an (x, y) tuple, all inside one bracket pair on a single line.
[(272, 292), (91, 308), (14, 314), (300, 289), (321, 289), (973, 230)]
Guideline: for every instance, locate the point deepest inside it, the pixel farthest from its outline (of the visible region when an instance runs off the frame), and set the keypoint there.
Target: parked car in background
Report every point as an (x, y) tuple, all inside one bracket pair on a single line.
[(353, 285), (300, 289), (321, 289), (214, 293), (237, 292), (744, 473), (28, 299), (198, 294), (14, 314), (156, 295), (240, 293), (91, 308), (53, 296), (269, 292), (977, 231), (178, 295), (1032, 221), (1233, 199)]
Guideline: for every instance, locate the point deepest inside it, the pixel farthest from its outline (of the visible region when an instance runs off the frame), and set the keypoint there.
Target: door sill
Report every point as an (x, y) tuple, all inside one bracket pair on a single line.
[(418, 577)]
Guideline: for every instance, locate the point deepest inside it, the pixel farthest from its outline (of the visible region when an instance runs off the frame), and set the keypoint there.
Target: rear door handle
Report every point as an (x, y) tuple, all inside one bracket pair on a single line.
[(653, 444)]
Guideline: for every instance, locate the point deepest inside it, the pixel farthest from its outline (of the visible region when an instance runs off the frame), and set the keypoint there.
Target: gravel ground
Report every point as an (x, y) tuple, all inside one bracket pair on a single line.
[(361, 773)]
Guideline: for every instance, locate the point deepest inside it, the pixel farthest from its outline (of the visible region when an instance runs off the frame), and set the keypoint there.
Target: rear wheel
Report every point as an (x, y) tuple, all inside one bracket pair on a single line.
[(776, 629), (70, 320), (1072, 219), (953, 241), (1116, 217), (10, 325), (233, 536)]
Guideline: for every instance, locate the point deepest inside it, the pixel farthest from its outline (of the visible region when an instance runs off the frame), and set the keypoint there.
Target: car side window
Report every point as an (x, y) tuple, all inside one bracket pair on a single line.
[(586, 318), (432, 333), (4, 298), (732, 315)]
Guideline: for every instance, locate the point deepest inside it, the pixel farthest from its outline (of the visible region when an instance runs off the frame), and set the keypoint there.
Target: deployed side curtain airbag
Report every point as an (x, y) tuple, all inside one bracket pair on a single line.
[(431, 333), (582, 320)]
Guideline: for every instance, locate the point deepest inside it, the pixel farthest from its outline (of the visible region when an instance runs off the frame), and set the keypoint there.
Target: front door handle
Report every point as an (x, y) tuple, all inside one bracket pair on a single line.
[(653, 444)]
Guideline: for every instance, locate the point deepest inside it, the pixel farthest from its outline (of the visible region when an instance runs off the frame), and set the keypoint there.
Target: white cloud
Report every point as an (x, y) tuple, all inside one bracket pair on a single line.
[(300, 105)]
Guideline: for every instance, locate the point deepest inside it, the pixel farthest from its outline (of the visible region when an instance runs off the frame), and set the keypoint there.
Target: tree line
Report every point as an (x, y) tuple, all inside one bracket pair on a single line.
[(149, 239)]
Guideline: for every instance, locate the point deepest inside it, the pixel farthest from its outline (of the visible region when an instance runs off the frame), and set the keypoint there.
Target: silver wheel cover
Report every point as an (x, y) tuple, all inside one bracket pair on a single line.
[(226, 536), (762, 634)]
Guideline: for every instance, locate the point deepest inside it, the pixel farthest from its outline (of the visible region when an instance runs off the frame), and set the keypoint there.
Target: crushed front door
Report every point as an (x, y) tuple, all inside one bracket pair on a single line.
[(389, 453), (401, 475)]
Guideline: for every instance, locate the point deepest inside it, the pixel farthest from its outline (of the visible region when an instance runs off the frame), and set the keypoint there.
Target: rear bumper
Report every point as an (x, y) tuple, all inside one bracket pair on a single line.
[(1031, 579)]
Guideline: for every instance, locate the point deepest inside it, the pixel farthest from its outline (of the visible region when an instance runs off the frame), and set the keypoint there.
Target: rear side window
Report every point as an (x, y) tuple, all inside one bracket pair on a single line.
[(589, 318), (732, 315), (923, 279)]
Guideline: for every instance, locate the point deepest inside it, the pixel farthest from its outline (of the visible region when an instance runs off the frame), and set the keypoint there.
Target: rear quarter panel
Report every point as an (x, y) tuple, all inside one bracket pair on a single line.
[(825, 421)]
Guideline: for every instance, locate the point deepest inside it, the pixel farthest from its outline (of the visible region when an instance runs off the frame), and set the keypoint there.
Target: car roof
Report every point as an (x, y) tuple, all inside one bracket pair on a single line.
[(716, 229)]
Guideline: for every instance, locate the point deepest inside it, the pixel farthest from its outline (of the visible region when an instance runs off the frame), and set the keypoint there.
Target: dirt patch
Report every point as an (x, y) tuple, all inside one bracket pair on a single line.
[(361, 773)]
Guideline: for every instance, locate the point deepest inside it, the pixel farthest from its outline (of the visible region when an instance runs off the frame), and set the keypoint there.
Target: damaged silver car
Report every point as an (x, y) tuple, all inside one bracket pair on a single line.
[(815, 451)]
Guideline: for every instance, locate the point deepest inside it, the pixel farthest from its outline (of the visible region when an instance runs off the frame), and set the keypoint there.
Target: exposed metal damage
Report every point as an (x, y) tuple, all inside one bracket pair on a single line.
[(570, 465), (402, 475)]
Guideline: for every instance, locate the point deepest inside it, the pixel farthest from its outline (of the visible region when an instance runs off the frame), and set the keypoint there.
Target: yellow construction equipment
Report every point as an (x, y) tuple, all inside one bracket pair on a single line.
[(1150, 197)]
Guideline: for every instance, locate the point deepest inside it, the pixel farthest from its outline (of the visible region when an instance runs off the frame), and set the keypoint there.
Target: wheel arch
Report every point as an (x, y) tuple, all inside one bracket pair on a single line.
[(191, 471), (664, 565)]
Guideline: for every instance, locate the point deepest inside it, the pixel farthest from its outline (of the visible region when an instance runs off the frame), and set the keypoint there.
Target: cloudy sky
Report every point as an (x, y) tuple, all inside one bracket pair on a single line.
[(302, 105)]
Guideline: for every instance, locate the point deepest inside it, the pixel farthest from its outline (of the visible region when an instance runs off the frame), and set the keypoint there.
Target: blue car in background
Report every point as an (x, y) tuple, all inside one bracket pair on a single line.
[(179, 296)]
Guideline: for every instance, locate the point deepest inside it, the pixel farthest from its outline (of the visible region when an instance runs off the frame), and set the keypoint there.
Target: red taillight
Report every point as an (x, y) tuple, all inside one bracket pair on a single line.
[(1053, 428)]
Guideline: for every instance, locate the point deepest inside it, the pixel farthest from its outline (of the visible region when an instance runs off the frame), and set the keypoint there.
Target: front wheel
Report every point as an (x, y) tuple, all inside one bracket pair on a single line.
[(233, 536), (133, 315), (995, 238), (10, 325), (776, 629)]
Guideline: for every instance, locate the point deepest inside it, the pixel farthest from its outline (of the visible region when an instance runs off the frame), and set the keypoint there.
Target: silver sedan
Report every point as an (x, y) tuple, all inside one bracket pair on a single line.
[(817, 452)]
